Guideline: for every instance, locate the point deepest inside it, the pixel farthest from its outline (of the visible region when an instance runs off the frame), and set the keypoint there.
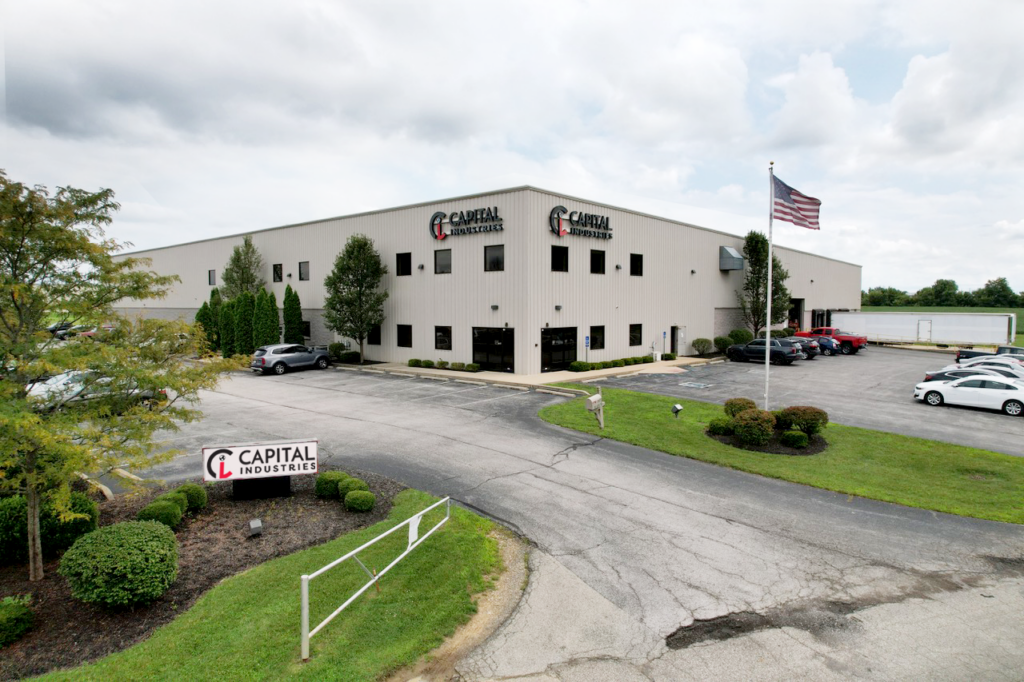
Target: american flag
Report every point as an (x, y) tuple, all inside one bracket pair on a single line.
[(794, 207)]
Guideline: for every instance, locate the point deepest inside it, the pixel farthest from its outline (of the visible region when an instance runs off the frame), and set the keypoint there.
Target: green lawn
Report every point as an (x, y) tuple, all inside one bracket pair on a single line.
[(882, 466), (956, 309), (247, 627)]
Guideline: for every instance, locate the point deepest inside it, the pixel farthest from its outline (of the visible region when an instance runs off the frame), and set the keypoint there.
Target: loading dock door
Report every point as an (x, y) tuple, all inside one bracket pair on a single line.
[(557, 348), (494, 348)]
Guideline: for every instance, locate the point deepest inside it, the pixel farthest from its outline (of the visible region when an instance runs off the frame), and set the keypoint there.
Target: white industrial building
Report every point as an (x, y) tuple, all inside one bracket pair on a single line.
[(517, 280)]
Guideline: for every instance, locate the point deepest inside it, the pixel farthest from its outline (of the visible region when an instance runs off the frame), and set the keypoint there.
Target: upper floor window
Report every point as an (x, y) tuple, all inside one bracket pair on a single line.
[(404, 265), (442, 261), (211, 277), (596, 262), (636, 334), (304, 271), (559, 259), (278, 272), (636, 264), (494, 258)]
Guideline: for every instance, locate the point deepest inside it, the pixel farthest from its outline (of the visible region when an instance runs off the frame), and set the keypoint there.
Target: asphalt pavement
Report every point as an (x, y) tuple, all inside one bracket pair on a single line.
[(648, 566)]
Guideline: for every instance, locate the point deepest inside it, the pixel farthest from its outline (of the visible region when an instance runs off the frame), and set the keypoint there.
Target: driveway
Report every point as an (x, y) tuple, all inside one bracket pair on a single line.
[(632, 545), (873, 389)]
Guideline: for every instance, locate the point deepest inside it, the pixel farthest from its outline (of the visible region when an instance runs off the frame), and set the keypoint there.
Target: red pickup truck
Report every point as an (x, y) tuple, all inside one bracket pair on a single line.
[(848, 343)]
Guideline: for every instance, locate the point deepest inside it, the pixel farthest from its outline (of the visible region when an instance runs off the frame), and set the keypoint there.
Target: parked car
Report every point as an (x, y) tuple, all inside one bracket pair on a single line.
[(809, 347), (994, 361), (85, 330), (967, 353), (57, 327), (281, 357), (848, 343), (828, 345), (76, 386), (994, 369), (952, 373), (783, 352), (987, 392)]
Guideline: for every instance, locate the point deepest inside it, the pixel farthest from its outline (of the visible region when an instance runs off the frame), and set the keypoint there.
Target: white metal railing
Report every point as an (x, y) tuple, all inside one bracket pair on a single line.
[(414, 541)]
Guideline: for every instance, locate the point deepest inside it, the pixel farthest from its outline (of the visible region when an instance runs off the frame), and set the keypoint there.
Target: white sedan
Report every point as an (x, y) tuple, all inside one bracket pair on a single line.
[(1010, 371), (994, 360), (993, 393)]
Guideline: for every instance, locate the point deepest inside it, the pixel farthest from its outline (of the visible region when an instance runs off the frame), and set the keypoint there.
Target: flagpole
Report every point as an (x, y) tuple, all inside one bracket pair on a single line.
[(768, 306)]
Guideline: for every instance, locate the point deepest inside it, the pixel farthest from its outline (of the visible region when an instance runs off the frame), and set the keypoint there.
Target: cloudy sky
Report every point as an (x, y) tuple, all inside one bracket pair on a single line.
[(906, 118)]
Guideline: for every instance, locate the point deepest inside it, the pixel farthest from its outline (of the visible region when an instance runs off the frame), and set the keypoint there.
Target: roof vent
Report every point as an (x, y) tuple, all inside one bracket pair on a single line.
[(729, 258)]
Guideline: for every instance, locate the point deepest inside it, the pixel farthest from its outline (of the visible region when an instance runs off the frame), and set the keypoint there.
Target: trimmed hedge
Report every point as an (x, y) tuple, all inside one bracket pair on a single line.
[(349, 357), (162, 511), (720, 426), (794, 439), (647, 358), (722, 343), (668, 356), (360, 501), (427, 363), (741, 336), (754, 427), (54, 534), (459, 366), (335, 350), (15, 618), (472, 367), (783, 422), (808, 419), (702, 346), (579, 366), (326, 486), (733, 406), (415, 363), (349, 484), (122, 565), (196, 495), (442, 364), (178, 498)]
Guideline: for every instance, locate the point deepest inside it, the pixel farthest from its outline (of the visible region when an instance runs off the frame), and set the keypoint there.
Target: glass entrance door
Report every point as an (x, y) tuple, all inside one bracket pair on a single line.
[(557, 348), (494, 348)]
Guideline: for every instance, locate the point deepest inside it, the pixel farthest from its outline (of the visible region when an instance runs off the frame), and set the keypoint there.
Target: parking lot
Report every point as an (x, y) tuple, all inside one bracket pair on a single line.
[(873, 389)]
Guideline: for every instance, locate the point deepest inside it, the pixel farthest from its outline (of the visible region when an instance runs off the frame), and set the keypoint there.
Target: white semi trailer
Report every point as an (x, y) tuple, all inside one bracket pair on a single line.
[(945, 328)]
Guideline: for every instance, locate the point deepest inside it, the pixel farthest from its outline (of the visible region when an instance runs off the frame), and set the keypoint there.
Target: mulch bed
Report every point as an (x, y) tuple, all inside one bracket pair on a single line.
[(212, 545), (816, 444)]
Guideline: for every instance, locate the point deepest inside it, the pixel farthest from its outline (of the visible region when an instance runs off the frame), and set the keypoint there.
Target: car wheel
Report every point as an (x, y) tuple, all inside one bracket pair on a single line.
[(322, 363), (1013, 408), (733, 357), (279, 368), (826, 351), (933, 398), (776, 360), (846, 348)]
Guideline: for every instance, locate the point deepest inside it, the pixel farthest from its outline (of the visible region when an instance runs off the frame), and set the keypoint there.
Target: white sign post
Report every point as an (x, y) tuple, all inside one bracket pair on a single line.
[(259, 460)]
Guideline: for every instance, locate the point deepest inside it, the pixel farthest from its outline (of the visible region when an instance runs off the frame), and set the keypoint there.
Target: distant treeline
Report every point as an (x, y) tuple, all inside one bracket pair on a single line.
[(995, 294)]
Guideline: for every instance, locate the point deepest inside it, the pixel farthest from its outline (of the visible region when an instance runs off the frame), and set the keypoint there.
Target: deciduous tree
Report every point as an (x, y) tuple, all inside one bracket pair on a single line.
[(355, 299), (752, 300), (243, 272)]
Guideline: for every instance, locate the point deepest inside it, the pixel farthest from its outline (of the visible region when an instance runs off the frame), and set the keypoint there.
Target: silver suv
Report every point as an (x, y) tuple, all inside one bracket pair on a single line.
[(282, 357)]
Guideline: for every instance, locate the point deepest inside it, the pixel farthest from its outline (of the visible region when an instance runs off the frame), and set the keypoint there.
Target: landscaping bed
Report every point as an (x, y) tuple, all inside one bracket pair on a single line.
[(815, 445), (212, 545)]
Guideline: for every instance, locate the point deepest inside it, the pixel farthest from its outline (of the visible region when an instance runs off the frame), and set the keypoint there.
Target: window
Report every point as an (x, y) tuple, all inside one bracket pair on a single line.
[(304, 271), (597, 336), (373, 337), (559, 259), (405, 336), (442, 261), (211, 276), (404, 266), (973, 383), (636, 334), (306, 330), (442, 338), (494, 258), (278, 272), (636, 264), (596, 262)]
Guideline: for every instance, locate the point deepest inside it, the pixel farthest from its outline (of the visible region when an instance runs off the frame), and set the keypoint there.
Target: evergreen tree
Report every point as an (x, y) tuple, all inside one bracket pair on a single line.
[(245, 308), (355, 301), (274, 316), (227, 329), (755, 285), (214, 332), (243, 272), (205, 319), (292, 317), (264, 321)]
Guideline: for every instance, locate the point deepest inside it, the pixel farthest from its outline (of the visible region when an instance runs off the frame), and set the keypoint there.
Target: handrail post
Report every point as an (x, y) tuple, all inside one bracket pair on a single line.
[(305, 618)]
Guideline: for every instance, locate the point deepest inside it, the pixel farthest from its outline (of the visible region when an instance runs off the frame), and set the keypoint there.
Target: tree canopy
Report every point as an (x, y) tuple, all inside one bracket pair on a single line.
[(752, 300), (355, 301), (996, 293), (243, 272)]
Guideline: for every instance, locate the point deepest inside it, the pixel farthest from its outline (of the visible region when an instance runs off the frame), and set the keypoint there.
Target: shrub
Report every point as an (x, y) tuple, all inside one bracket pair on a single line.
[(163, 511), (783, 421), (578, 366), (733, 406), (720, 426), (196, 494), (607, 364), (786, 331), (810, 420), (335, 350), (326, 486), (668, 356), (349, 357), (794, 439), (722, 343), (55, 535), (415, 363), (178, 498), (123, 564), (472, 367), (618, 363), (349, 484), (442, 364), (15, 618), (458, 366), (637, 360), (429, 364), (628, 362), (647, 358), (701, 346), (741, 336), (754, 427), (360, 501)]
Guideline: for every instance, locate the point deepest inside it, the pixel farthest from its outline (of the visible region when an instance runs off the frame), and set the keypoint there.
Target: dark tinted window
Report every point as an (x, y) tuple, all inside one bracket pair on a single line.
[(211, 277), (405, 336), (306, 329), (597, 337), (596, 262), (757, 342), (404, 265), (973, 383), (373, 337), (636, 264), (442, 261), (278, 272), (304, 270), (559, 259), (443, 338), (998, 385), (494, 258), (636, 334)]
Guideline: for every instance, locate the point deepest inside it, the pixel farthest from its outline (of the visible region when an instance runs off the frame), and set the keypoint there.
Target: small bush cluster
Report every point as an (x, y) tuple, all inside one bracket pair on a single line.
[(335, 350), (349, 357), (444, 364), (720, 426), (809, 420), (580, 366), (360, 501), (733, 406), (794, 439), (326, 486), (122, 565), (702, 346), (427, 363), (162, 511), (354, 493), (459, 366), (741, 336), (722, 343), (415, 363), (668, 356), (170, 507), (792, 426), (754, 427), (55, 535), (15, 618)]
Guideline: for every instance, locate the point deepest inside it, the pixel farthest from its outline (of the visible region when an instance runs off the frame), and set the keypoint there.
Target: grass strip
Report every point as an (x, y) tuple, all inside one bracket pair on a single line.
[(247, 627), (910, 471)]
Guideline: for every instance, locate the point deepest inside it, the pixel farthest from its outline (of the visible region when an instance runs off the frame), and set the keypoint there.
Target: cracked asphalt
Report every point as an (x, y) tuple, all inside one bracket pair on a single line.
[(773, 580)]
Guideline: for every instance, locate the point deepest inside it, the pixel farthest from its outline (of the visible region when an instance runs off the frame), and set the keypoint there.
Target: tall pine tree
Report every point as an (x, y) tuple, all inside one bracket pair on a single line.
[(204, 318), (215, 304), (245, 308), (227, 329), (243, 272), (292, 317)]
